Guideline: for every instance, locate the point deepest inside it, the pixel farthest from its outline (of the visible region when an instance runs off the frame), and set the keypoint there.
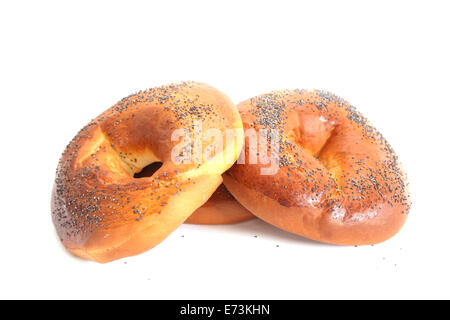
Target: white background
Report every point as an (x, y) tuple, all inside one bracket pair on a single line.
[(61, 64)]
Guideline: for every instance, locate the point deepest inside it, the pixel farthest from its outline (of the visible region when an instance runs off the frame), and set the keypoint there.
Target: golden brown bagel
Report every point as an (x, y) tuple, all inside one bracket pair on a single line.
[(100, 210), (221, 208), (339, 181)]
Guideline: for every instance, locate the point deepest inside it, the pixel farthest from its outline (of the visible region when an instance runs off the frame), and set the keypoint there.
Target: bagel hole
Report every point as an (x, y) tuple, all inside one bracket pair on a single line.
[(149, 170)]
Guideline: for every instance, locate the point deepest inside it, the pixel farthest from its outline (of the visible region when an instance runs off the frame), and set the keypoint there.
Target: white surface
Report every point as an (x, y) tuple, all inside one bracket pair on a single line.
[(62, 64)]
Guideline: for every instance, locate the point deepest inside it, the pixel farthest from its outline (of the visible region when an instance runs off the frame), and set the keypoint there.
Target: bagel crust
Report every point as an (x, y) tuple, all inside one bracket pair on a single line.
[(101, 212), (221, 208), (338, 182)]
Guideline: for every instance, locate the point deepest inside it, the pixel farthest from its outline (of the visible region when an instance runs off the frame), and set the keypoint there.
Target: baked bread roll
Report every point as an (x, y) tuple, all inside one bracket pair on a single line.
[(335, 179), (101, 211)]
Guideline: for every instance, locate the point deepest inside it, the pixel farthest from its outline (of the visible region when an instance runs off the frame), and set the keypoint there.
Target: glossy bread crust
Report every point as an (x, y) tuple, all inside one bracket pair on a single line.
[(221, 208), (339, 180), (100, 210)]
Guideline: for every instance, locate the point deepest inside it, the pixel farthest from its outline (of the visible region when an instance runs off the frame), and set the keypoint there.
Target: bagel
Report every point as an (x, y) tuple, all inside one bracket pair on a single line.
[(338, 180), (221, 208), (102, 210)]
